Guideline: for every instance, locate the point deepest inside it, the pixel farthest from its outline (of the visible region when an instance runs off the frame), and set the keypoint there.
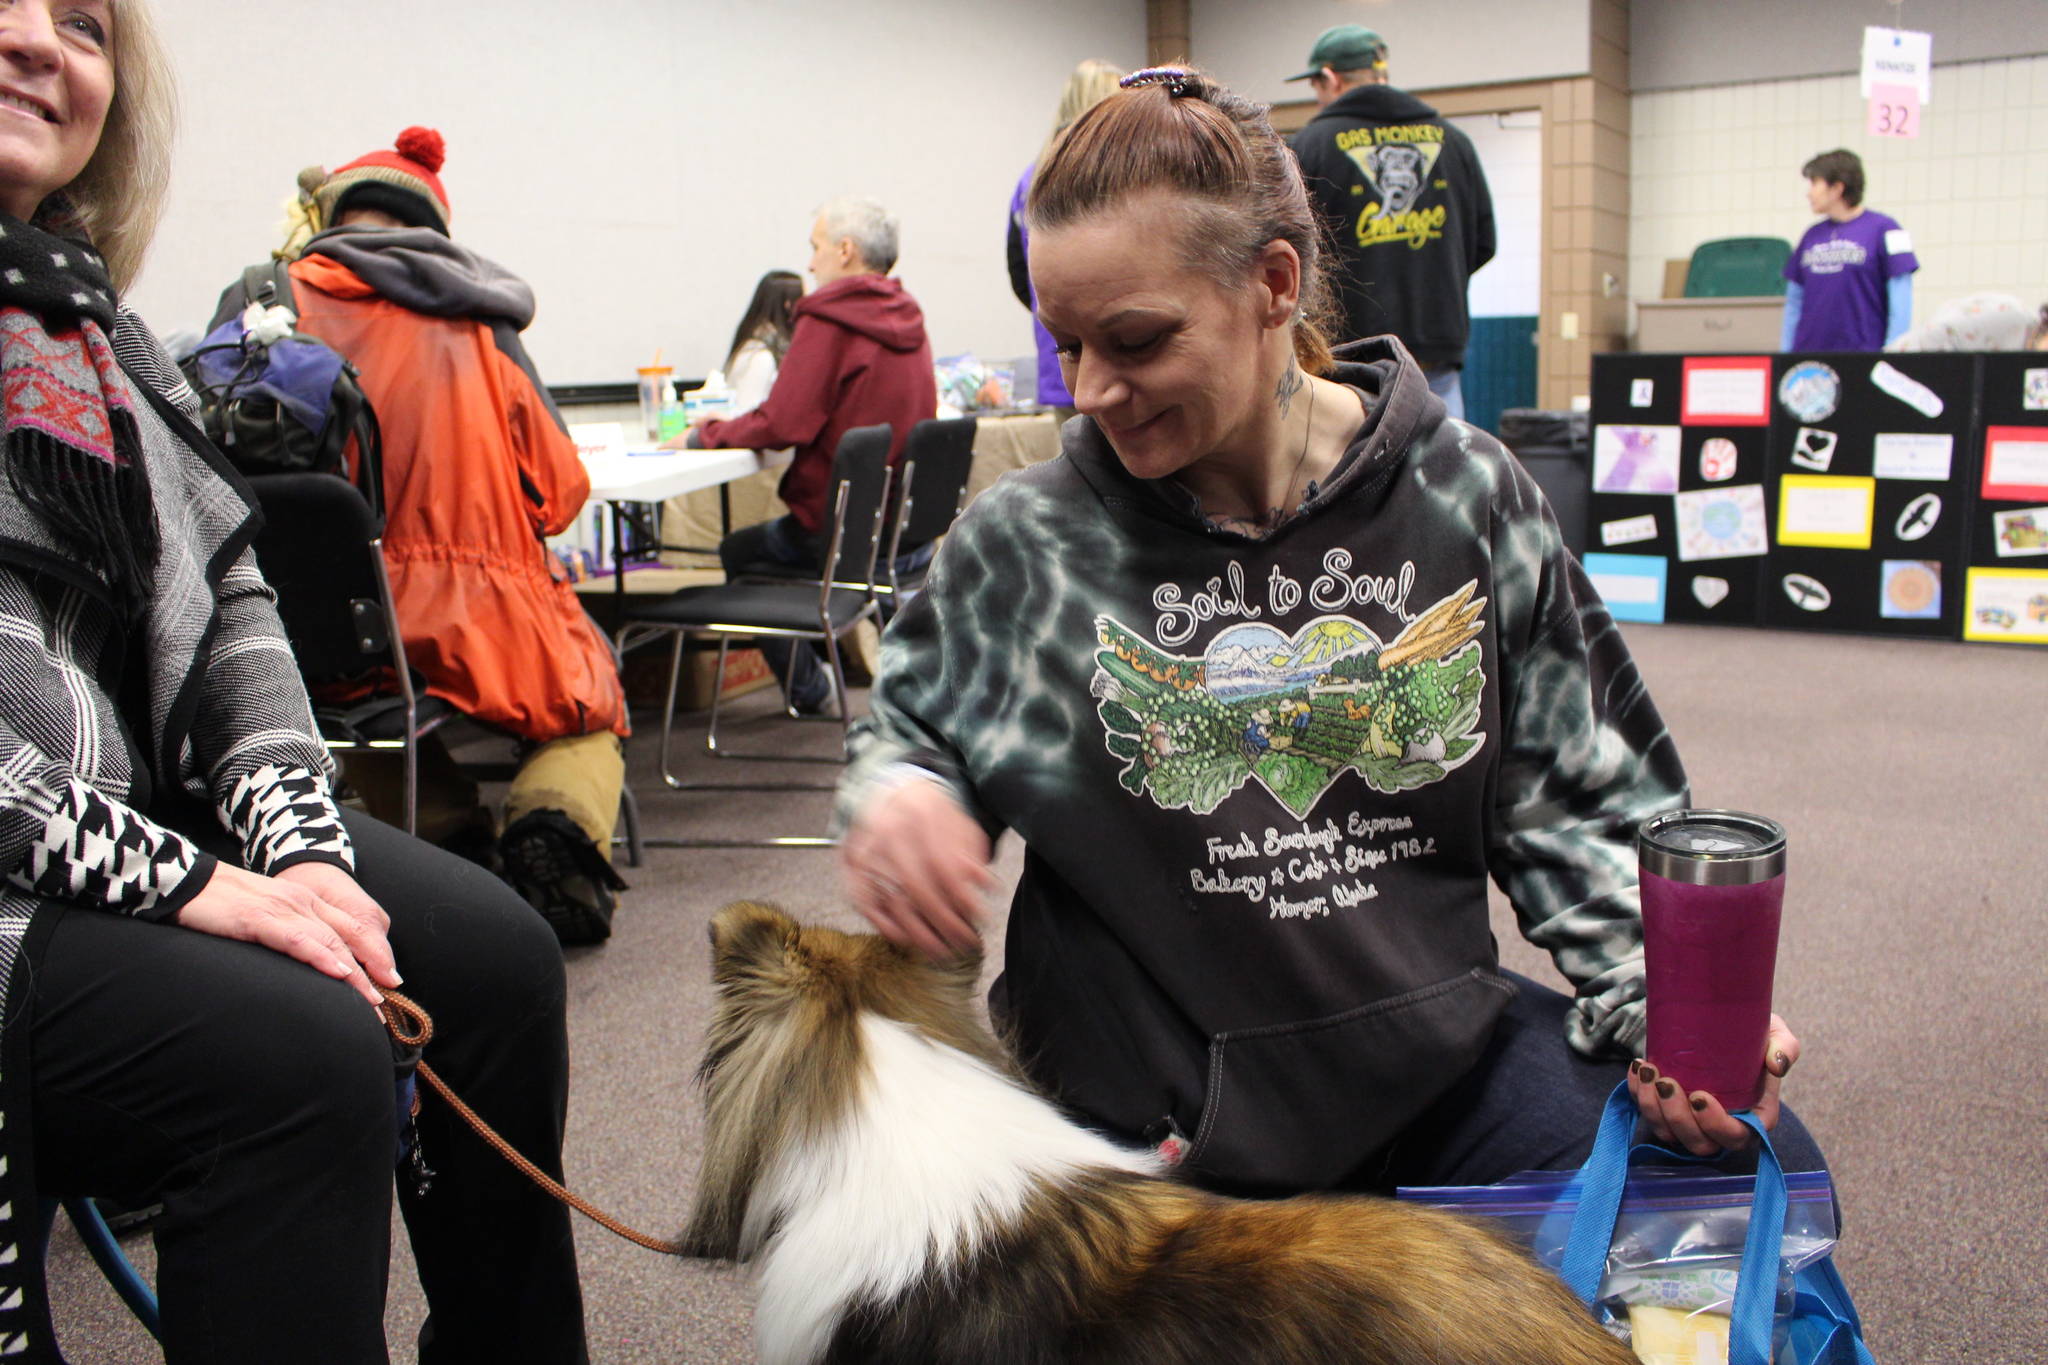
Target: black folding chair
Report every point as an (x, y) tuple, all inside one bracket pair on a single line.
[(322, 550), (938, 458), (825, 610)]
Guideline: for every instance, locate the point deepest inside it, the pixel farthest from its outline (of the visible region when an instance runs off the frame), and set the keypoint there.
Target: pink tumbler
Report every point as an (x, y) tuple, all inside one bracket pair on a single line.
[(1713, 883)]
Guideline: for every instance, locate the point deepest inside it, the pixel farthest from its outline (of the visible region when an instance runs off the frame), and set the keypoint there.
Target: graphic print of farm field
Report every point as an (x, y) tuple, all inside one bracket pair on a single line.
[(1293, 711)]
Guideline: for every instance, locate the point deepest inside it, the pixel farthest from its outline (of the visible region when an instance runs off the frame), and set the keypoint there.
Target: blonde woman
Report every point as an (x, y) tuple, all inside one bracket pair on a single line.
[(203, 931), (1091, 83)]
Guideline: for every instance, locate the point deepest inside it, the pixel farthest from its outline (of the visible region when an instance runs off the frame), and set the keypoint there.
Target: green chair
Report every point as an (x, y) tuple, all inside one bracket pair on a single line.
[(1737, 267)]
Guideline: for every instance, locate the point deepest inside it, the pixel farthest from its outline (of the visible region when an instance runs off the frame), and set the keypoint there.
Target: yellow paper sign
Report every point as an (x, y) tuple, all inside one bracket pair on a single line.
[(1828, 511), (2006, 604)]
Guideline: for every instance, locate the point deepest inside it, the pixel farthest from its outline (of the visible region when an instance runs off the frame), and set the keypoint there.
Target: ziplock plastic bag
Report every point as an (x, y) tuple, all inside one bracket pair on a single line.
[(1677, 1242)]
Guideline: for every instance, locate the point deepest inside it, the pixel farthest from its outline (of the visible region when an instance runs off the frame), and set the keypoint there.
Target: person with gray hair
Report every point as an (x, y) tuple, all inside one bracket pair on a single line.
[(858, 356), (862, 221)]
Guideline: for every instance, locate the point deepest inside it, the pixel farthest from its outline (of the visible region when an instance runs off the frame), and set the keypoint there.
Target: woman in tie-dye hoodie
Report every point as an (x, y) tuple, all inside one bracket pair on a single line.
[(1272, 671)]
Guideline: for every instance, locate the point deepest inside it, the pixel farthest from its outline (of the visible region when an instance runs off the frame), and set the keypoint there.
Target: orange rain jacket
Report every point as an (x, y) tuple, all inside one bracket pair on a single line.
[(476, 471)]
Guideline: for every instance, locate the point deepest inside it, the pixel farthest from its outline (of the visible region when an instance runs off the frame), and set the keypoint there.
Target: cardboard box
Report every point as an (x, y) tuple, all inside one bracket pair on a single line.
[(645, 675), (1710, 326), (1674, 277), (745, 671)]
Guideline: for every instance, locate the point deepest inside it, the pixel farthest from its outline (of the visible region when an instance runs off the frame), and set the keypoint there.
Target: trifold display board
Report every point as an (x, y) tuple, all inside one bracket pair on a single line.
[(2006, 590), (1888, 494)]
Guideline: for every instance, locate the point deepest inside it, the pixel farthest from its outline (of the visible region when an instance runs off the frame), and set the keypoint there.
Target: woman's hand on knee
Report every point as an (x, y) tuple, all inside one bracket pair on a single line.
[(306, 915), (1697, 1121), (916, 867)]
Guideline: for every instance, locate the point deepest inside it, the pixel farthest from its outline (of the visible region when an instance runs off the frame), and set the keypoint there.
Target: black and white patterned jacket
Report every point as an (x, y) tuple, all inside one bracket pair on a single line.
[(215, 710), (227, 718)]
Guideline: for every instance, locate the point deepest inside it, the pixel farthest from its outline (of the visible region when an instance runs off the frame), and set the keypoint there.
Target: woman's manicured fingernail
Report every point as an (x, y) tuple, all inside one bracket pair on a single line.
[(1699, 1102), (1635, 1066), (1780, 1063), (1667, 1089), (1648, 1073)]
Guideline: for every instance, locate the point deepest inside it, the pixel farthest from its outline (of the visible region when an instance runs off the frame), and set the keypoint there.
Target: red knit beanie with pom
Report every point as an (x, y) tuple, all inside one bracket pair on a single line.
[(404, 181)]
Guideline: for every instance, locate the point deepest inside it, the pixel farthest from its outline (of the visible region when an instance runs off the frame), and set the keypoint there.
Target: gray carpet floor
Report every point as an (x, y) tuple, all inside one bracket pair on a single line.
[(1911, 778)]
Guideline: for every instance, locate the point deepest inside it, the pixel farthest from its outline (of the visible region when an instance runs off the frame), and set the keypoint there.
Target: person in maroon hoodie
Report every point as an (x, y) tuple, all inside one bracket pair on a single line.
[(858, 357)]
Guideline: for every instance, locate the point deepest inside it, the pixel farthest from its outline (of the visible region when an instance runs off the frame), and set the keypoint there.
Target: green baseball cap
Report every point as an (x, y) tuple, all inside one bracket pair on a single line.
[(1347, 47)]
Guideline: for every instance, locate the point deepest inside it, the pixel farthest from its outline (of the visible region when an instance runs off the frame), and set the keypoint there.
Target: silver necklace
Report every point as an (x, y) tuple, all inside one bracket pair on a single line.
[(1287, 498)]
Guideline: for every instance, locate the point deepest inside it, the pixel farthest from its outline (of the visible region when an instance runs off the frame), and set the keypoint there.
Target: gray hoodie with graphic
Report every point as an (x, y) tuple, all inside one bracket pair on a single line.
[(1262, 784)]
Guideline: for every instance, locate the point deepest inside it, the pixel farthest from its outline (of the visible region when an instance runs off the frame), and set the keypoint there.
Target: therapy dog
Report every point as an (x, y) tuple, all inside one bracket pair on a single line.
[(905, 1196)]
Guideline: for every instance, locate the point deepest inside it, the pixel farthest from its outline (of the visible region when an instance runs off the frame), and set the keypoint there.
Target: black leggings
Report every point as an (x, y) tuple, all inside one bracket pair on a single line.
[(253, 1096)]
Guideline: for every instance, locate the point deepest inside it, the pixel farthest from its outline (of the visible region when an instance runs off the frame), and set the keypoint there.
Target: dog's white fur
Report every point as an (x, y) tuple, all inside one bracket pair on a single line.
[(937, 1151)]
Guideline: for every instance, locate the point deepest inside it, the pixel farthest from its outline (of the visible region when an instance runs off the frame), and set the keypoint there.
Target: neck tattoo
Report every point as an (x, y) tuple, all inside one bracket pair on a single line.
[(1269, 521)]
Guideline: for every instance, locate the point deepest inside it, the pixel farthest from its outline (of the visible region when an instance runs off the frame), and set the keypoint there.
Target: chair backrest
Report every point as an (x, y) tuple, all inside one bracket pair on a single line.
[(1737, 267), (858, 491), (320, 551), (939, 457)]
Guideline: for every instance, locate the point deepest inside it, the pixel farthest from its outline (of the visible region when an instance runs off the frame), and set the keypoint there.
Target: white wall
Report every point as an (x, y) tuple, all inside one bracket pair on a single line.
[(1724, 161), (640, 162), (1254, 45), (1510, 148), (1678, 43)]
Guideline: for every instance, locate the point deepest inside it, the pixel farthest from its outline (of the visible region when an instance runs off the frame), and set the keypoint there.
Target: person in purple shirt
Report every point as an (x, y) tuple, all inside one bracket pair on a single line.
[(1850, 283), (1091, 83)]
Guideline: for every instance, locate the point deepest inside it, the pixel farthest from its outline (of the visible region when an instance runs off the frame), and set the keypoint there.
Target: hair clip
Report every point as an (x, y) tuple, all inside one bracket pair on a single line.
[(1174, 78)]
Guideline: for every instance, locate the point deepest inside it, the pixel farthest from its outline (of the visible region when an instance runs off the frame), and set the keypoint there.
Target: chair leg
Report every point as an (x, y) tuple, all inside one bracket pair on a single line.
[(668, 710), (106, 1253), (839, 695), (412, 773), (717, 695), (629, 816)]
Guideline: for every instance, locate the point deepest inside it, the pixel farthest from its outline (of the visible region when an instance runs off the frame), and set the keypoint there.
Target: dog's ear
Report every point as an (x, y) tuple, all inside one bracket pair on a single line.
[(749, 936)]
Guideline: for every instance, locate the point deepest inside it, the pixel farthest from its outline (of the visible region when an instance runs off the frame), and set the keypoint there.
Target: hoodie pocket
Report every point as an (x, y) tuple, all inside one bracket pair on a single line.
[(1300, 1106)]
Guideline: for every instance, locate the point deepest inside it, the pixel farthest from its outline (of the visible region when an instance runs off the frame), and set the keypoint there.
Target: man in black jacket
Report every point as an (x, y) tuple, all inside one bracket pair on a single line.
[(1405, 201)]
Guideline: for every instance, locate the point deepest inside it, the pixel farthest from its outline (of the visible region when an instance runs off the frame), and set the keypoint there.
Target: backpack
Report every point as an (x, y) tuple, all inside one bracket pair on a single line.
[(289, 403)]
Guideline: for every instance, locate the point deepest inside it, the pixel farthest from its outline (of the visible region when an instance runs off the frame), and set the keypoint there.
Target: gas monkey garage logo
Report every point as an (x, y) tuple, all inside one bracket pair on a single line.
[(1398, 171)]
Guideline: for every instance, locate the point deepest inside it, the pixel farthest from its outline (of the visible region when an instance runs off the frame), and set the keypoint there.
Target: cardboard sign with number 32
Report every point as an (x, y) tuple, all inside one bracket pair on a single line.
[(1894, 111)]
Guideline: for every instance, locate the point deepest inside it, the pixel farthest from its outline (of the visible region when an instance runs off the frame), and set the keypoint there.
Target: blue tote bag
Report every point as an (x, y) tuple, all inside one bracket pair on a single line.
[(1823, 1329)]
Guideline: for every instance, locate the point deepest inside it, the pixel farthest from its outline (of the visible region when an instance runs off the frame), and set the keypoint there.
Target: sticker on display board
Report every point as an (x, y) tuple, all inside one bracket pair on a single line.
[(1709, 592), (1906, 389), (1632, 586), (1629, 530), (1912, 590), (1826, 511), (2034, 390), (1641, 392), (1721, 523), (1717, 459), (1814, 449), (2006, 604), (1726, 391), (1925, 455), (1635, 459), (2016, 464), (1811, 391), (1918, 517), (2020, 532), (1807, 592)]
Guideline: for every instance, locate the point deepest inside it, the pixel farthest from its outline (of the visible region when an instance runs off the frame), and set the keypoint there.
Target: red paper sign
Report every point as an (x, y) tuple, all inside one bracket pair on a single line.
[(1727, 391), (2016, 464)]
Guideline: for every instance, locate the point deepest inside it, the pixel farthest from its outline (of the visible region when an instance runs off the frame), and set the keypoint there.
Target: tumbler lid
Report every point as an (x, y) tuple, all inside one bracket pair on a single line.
[(1711, 847)]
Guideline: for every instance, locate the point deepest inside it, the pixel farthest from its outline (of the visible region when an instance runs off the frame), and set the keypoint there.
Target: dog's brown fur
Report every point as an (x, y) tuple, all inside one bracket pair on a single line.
[(1108, 1266)]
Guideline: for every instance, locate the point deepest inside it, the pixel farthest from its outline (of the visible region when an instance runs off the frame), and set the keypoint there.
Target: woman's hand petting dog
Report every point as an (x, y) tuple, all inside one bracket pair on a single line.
[(917, 868), (1697, 1122)]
